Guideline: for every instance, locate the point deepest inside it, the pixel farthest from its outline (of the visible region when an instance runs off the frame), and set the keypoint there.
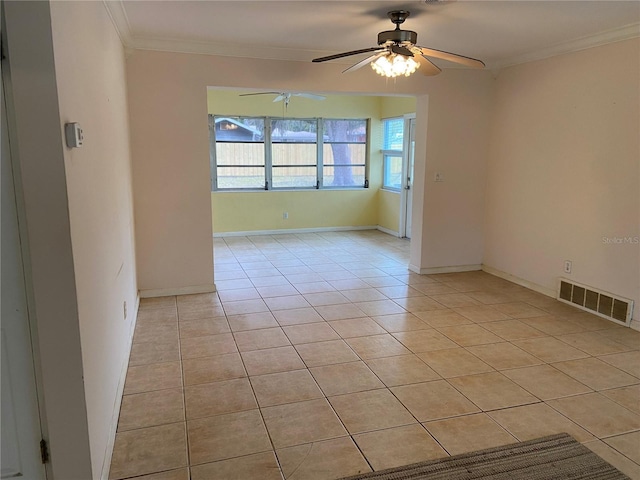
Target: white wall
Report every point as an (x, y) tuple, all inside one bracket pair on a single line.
[(67, 64), (457, 145), (92, 91), (37, 147), (564, 170), (170, 148)]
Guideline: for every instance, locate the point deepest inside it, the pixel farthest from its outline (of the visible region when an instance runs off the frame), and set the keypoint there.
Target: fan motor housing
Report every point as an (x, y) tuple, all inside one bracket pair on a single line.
[(397, 36)]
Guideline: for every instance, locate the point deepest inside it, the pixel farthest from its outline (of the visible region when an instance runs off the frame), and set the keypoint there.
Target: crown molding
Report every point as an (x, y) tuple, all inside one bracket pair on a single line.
[(229, 50), (118, 15), (619, 34)]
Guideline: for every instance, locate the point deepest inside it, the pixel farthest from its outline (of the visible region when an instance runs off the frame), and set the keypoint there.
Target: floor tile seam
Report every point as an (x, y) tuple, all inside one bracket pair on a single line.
[(463, 394), (557, 370), (234, 457), (337, 363), (613, 354), (465, 415), (422, 423), (287, 403), (358, 391), (316, 341), (589, 356), (618, 434), (501, 340), (558, 337), (264, 423), (538, 400), (148, 307), (389, 428), (184, 403), (619, 451), (548, 403), (152, 473), (514, 345), (222, 414), (166, 424)]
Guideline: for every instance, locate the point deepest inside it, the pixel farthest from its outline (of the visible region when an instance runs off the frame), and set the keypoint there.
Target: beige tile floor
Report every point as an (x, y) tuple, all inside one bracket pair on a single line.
[(322, 356)]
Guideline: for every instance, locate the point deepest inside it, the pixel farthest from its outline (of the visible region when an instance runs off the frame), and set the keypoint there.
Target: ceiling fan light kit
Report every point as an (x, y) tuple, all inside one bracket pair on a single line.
[(393, 65), (397, 53)]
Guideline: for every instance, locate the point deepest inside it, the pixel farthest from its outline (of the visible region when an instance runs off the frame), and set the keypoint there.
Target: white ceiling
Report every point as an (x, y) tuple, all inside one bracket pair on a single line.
[(498, 32)]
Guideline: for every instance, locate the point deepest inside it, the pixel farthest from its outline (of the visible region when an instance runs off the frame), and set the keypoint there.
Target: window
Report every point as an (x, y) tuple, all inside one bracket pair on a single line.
[(392, 145), (294, 158), (344, 153), (287, 153), (239, 152)]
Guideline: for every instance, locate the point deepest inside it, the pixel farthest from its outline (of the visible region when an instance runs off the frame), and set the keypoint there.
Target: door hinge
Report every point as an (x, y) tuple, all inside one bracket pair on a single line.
[(44, 451)]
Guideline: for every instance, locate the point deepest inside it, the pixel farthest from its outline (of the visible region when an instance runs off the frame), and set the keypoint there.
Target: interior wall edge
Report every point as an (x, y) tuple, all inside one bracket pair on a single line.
[(169, 292), (289, 231), (519, 281), (446, 269), (104, 475)]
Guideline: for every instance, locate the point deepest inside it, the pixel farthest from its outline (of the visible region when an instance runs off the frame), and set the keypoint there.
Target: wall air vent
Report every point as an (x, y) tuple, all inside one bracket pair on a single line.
[(603, 304)]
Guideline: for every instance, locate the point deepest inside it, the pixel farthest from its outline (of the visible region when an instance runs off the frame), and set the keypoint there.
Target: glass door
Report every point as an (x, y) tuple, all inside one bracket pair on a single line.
[(406, 194)]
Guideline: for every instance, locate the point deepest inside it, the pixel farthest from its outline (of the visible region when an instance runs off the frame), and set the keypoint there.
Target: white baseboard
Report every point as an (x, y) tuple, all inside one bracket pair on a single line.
[(292, 231), (167, 292), (388, 231), (106, 466), (520, 281), (635, 324), (449, 269)]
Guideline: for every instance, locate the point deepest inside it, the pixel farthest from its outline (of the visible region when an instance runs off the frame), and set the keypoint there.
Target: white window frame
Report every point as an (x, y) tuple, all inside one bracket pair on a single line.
[(268, 152)]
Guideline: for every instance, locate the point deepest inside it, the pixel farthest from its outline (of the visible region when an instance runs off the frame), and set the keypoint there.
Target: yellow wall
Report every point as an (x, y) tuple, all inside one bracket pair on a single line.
[(240, 212), (396, 106), (263, 210), (389, 201), (389, 210)]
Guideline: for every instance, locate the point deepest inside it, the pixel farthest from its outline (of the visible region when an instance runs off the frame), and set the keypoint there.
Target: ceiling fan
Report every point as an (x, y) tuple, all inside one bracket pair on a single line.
[(286, 96), (399, 47)]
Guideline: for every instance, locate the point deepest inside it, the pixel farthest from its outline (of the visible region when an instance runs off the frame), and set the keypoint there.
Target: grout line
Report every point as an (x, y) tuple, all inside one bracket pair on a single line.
[(355, 252)]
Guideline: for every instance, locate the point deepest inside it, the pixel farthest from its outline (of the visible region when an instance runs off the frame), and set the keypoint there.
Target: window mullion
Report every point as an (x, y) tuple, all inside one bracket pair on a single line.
[(320, 153), (268, 154), (213, 161)]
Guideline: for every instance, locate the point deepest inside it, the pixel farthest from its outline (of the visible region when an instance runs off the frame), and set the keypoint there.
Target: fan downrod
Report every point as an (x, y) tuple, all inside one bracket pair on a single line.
[(398, 16), (398, 36)]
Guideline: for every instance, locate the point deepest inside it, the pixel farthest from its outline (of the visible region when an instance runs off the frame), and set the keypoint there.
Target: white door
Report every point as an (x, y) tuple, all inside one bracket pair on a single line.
[(21, 431), (408, 150)]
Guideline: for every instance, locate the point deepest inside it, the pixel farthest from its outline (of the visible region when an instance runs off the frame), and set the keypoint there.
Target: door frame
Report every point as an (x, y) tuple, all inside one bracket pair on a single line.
[(406, 188), (9, 112)]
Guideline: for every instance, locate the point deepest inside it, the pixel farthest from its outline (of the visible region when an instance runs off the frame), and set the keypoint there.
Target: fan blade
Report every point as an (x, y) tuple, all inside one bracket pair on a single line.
[(260, 93), (345, 54), (427, 67), (279, 98), (367, 60), (452, 57), (312, 96), (400, 50)]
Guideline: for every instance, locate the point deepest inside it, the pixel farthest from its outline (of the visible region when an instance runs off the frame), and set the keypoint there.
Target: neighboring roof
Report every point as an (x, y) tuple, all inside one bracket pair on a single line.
[(241, 125)]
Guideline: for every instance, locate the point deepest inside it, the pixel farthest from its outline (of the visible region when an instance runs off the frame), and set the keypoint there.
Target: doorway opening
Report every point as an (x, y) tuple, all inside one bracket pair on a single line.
[(399, 139)]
